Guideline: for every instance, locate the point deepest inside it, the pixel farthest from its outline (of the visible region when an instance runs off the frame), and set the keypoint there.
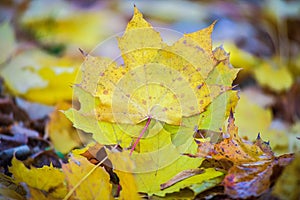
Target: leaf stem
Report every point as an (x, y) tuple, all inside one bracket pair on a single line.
[(140, 136)]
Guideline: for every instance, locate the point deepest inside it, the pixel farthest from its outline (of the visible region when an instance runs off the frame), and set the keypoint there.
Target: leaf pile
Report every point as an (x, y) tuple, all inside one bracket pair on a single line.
[(170, 91)]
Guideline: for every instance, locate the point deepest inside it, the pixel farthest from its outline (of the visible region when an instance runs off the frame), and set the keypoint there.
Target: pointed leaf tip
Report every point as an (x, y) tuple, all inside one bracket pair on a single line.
[(258, 136)]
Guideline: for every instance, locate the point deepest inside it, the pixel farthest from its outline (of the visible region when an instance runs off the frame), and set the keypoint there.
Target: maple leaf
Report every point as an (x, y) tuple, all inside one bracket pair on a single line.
[(158, 97), (139, 90), (256, 159)]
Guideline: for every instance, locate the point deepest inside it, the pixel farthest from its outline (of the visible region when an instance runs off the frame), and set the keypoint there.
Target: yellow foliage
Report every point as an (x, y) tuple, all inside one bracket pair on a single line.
[(253, 119), (94, 186), (64, 24), (60, 130), (40, 77), (278, 78), (47, 178)]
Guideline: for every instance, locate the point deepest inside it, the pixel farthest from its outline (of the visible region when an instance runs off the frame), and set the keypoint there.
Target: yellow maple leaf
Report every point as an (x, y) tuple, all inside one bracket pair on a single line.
[(161, 82), (157, 97)]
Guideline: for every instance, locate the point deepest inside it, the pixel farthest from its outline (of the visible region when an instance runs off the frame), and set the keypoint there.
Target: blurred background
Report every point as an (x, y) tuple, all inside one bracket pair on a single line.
[(39, 60)]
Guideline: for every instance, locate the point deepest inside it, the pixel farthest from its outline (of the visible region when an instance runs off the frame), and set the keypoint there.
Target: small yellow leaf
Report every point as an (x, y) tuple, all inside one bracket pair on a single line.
[(129, 186), (260, 122), (47, 178), (276, 79), (40, 77), (251, 118), (240, 58), (64, 23), (94, 186), (60, 130)]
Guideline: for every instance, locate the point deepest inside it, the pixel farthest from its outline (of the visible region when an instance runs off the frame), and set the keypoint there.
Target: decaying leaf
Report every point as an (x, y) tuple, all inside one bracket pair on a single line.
[(256, 159), (47, 178)]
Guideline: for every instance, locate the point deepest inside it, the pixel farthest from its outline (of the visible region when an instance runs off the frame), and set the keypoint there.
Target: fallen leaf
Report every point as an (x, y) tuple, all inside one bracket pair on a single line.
[(257, 159), (287, 185), (152, 103), (62, 23), (240, 58), (47, 178), (261, 122), (261, 118), (40, 77), (83, 183), (274, 76), (60, 130)]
